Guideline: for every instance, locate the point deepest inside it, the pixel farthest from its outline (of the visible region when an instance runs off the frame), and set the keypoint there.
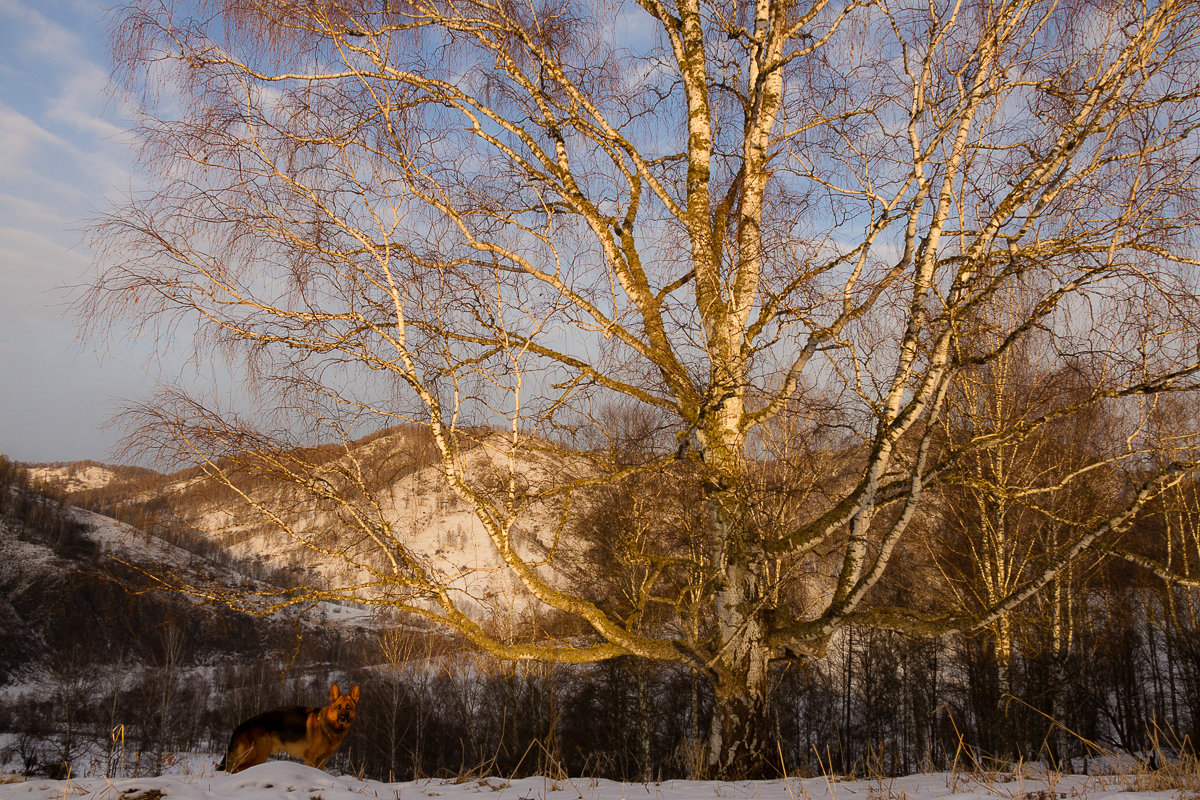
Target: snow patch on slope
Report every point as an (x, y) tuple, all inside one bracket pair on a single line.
[(73, 477)]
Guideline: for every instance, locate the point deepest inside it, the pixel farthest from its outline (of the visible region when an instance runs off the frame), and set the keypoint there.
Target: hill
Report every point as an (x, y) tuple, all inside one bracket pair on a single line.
[(75, 477), (259, 524), (85, 645)]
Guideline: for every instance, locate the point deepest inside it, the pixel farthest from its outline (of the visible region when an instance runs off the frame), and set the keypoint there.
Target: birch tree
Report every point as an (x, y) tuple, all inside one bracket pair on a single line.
[(1014, 504), (726, 214)]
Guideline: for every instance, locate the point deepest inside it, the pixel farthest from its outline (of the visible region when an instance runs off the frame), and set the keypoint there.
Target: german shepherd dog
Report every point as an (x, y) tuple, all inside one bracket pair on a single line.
[(312, 734)]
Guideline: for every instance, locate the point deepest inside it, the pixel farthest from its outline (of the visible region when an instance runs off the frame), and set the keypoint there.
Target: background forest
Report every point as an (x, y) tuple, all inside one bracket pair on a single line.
[(119, 683)]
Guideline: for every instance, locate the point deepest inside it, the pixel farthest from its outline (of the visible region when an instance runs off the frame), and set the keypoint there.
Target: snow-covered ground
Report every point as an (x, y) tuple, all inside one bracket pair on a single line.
[(283, 780)]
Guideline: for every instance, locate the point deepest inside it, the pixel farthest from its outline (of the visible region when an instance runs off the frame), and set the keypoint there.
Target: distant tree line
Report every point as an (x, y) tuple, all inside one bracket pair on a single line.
[(881, 703), (39, 511)]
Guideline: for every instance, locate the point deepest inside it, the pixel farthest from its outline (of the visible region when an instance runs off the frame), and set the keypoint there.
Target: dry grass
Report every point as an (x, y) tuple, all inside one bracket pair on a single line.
[(1180, 775), (1170, 767)]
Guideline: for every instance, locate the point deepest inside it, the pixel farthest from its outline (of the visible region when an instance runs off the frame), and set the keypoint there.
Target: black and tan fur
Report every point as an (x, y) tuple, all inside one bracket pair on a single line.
[(304, 732)]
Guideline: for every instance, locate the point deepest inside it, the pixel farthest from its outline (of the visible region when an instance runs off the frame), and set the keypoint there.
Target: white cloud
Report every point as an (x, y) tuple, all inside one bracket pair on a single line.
[(38, 34), (36, 163), (83, 100)]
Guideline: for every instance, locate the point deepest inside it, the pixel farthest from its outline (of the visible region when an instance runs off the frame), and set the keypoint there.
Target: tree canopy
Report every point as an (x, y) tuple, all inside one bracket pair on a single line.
[(815, 270)]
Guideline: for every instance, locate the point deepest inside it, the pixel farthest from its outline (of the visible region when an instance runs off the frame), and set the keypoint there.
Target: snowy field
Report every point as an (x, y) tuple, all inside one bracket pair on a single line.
[(283, 780)]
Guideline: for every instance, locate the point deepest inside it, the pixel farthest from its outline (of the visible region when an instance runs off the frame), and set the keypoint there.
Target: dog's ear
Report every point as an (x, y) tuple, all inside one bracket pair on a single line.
[(334, 694), (354, 693)]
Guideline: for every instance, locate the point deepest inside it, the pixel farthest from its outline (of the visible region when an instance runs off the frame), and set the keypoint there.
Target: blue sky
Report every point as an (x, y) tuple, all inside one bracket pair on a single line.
[(63, 151)]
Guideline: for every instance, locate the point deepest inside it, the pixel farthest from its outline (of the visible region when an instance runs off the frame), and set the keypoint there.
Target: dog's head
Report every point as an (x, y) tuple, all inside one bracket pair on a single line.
[(340, 711)]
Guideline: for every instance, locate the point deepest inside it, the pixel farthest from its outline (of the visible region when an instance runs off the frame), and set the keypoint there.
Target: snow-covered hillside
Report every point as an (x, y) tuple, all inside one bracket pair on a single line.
[(276, 526), (280, 780), (75, 477)]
